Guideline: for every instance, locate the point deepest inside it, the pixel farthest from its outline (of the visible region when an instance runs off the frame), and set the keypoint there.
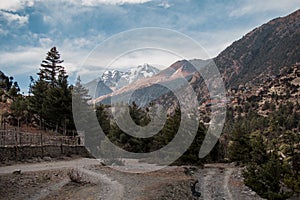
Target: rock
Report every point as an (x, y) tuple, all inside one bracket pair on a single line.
[(17, 171), (47, 158)]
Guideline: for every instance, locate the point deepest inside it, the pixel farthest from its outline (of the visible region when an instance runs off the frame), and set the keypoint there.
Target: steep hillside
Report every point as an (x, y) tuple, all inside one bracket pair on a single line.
[(264, 50)]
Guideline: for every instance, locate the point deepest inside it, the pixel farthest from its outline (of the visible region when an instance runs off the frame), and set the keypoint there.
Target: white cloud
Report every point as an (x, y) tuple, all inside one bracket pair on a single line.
[(165, 4), (45, 42), (257, 6), (13, 17), (217, 41), (2, 31), (112, 2), (25, 61), (22, 59), (14, 5)]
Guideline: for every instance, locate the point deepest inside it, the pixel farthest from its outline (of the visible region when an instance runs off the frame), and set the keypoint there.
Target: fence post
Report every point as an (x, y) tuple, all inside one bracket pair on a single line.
[(16, 144), (16, 137), (61, 146), (42, 145), (4, 137), (20, 138)]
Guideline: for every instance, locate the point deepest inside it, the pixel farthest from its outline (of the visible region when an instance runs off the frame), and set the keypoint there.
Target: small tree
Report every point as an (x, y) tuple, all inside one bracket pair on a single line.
[(19, 107), (239, 147)]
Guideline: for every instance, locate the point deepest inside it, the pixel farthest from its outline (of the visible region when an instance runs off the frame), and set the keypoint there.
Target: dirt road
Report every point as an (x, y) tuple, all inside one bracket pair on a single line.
[(49, 180), (113, 191), (223, 181)]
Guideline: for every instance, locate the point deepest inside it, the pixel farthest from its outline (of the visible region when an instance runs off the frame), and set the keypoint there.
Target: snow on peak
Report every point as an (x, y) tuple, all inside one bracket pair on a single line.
[(116, 79)]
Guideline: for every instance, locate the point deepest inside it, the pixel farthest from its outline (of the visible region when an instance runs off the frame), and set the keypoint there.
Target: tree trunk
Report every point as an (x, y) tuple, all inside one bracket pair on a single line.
[(56, 127), (18, 124)]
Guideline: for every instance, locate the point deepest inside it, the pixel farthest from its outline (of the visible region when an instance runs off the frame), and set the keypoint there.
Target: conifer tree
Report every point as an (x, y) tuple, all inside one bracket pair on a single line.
[(50, 67), (52, 99)]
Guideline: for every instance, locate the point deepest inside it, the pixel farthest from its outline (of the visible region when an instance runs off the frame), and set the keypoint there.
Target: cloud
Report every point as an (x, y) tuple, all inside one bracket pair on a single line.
[(2, 31), (14, 5), (45, 42), (165, 4), (217, 41), (14, 17), (251, 7), (112, 2)]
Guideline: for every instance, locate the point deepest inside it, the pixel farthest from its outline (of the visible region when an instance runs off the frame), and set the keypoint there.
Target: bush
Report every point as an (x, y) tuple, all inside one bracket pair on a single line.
[(77, 177)]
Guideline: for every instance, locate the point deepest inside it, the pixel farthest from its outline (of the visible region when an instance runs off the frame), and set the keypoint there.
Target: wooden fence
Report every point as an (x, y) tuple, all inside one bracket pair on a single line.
[(15, 138)]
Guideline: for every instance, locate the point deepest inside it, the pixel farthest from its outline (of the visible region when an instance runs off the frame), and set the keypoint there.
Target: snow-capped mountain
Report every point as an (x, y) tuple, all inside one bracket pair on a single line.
[(116, 79), (111, 78), (152, 88), (142, 71)]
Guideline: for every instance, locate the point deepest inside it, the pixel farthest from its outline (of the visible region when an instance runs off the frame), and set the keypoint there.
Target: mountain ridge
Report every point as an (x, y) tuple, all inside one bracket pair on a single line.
[(268, 47)]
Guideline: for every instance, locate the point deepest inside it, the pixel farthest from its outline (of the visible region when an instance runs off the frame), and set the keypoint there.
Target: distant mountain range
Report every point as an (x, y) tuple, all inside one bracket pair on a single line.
[(259, 54), (112, 80), (149, 89)]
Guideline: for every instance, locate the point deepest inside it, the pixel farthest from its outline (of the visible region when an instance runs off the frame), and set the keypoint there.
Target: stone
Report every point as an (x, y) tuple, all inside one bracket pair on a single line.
[(17, 171), (47, 158)]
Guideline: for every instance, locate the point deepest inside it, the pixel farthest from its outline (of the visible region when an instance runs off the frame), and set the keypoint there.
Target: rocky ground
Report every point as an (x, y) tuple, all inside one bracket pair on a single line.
[(86, 179), (223, 181)]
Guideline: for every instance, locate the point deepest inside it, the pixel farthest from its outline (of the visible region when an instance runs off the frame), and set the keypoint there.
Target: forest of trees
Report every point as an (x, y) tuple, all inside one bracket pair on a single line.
[(269, 149)]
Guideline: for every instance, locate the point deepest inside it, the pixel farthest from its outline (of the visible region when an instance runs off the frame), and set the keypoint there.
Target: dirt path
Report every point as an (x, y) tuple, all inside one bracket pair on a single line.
[(77, 163), (114, 190), (216, 182), (223, 181)]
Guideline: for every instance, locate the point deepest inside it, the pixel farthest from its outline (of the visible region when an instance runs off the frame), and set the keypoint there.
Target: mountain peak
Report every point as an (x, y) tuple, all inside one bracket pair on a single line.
[(116, 79)]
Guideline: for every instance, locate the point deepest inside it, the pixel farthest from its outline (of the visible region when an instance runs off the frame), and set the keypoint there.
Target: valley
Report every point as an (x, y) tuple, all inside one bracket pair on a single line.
[(258, 113)]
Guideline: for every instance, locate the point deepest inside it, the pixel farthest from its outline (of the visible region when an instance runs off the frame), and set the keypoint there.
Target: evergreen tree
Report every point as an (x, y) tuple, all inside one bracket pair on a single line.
[(37, 102), (80, 98), (259, 149), (52, 99), (18, 108), (59, 102), (50, 67), (239, 148)]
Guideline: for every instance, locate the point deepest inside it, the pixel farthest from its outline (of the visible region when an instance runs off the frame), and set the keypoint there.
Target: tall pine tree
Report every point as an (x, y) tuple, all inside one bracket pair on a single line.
[(52, 98)]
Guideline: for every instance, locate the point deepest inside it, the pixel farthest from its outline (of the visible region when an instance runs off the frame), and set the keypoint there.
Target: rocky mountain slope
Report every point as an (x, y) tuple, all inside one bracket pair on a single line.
[(266, 49)]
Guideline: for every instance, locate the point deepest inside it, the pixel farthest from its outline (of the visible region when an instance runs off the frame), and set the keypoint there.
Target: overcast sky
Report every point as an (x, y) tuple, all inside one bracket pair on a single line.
[(29, 28)]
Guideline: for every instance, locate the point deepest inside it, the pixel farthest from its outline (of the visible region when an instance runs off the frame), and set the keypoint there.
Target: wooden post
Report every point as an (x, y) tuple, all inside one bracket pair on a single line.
[(4, 137), (42, 145), (16, 137), (20, 138), (16, 144), (61, 146)]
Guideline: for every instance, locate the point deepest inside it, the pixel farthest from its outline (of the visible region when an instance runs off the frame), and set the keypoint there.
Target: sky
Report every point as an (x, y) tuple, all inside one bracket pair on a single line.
[(29, 28)]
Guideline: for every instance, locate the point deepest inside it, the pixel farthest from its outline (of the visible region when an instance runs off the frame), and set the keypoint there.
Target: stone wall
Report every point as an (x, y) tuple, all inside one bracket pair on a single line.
[(28, 152)]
